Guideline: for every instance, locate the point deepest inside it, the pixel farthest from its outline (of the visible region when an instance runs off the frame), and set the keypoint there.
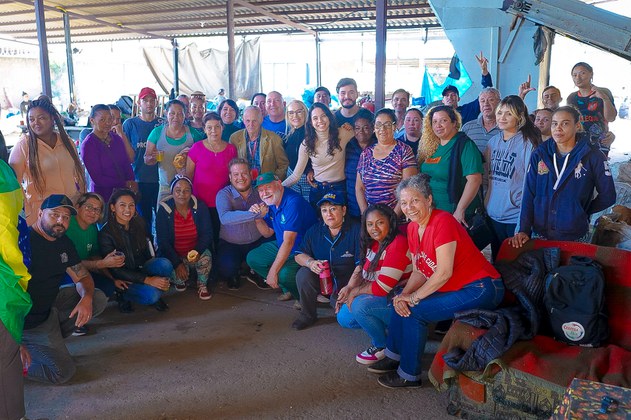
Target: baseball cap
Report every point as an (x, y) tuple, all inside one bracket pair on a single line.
[(146, 91), (54, 201), (333, 198), (451, 88), (198, 94), (266, 178)]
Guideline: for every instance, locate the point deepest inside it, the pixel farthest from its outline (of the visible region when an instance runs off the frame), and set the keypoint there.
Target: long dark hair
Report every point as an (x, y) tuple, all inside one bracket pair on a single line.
[(311, 136), (366, 240), (519, 110), (136, 224), (43, 102)]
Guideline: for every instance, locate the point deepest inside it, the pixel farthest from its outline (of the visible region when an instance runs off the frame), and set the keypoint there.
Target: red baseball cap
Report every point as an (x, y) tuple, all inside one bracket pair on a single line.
[(146, 91)]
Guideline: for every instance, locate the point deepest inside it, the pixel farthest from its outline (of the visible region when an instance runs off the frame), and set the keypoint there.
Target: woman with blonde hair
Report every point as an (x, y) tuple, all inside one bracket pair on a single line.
[(453, 161), (45, 160), (296, 117)]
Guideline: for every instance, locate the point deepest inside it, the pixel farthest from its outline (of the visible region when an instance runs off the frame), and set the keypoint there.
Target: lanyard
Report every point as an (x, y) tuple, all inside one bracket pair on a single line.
[(556, 169)]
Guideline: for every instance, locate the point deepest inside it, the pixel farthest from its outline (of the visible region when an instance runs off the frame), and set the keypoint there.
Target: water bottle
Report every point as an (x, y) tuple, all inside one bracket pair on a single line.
[(326, 281)]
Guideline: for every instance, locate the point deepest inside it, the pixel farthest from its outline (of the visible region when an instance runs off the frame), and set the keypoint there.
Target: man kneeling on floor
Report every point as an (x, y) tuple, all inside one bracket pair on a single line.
[(56, 312), (285, 213)]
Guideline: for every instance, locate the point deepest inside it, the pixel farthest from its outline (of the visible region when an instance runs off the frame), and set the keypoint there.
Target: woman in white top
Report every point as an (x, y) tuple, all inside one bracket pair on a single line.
[(325, 146)]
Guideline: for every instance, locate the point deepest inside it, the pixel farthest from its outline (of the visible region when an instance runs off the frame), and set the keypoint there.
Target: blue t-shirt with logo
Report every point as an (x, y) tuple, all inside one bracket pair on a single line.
[(137, 131)]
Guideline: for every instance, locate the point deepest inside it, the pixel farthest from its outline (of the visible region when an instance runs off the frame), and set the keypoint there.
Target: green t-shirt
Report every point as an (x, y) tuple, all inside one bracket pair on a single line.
[(155, 134), (85, 241), (437, 167)]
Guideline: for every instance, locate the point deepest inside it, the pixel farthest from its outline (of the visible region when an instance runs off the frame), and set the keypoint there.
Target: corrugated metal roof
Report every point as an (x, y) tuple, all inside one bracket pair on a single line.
[(98, 20)]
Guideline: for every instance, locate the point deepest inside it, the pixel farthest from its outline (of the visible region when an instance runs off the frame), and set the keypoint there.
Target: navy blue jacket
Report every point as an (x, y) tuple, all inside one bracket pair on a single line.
[(165, 228), (342, 252), (563, 214)]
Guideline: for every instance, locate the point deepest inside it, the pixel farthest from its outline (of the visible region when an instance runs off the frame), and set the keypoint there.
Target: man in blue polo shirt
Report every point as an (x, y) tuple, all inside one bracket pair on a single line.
[(288, 215), (336, 242)]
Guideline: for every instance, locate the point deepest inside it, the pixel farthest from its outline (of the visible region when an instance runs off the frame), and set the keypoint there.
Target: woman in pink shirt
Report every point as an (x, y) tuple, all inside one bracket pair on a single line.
[(207, 166)]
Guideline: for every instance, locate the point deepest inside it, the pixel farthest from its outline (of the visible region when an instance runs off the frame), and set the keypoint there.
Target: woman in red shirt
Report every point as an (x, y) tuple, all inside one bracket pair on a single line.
[(449, 275), (363, 302)]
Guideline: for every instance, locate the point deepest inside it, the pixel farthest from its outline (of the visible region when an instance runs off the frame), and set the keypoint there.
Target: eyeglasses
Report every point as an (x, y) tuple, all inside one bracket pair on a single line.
[(298, 112), (385, 126), (91, 208)]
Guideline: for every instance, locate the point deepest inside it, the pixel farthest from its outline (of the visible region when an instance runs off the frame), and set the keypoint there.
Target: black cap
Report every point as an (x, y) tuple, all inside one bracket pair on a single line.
[(451, 88), (58, 200)]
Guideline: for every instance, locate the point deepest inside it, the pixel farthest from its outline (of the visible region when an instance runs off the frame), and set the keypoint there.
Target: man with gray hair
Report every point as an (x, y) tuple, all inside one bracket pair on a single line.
[(275, 119), (484, 127), (263, 149)]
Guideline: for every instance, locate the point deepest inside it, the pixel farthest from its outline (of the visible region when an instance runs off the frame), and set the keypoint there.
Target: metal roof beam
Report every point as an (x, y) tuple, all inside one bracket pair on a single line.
[(95, 20), (282, 19)]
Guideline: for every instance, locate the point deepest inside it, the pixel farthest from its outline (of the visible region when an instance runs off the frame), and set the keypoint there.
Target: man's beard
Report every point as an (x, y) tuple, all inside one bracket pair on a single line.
[(344, 105), (50, 230)]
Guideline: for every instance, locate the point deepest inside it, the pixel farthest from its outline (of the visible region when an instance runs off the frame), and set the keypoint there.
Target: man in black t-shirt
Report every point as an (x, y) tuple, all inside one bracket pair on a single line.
[(56, 312)]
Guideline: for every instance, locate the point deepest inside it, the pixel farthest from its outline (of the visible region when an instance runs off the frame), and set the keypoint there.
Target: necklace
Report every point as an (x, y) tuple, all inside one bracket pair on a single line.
[(107, 140), (209, 144)]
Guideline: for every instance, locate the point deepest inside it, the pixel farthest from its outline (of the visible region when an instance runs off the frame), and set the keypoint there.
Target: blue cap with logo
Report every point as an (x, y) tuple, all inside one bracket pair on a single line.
[(54, 201), (333, 198)]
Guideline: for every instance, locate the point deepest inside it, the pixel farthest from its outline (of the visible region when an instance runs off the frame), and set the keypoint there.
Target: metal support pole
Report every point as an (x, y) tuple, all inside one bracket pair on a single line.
[(44, 65), (176, 67), (380, 59), (231, 49), (318, 61), (69, 62)]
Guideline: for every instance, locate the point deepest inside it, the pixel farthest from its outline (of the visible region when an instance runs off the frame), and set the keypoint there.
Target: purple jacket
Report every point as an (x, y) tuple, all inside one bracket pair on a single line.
[(108, 166)]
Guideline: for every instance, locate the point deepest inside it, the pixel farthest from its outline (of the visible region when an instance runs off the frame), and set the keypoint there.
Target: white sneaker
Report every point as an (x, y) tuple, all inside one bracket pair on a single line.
[(371, 355), (323, 299)]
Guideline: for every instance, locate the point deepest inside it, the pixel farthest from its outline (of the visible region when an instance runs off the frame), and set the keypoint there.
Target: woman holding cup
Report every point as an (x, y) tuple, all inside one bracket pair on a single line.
[(144, 277)]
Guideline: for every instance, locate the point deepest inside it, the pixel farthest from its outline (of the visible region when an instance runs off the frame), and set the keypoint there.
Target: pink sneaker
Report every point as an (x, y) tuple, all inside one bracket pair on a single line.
[(371, 355)]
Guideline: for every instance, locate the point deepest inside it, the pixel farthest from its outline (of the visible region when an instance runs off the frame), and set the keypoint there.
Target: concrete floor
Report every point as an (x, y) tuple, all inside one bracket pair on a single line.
[(232, 357)]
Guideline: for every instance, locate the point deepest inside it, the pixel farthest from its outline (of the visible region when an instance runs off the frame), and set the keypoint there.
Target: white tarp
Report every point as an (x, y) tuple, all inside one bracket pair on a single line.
[(207, 70)]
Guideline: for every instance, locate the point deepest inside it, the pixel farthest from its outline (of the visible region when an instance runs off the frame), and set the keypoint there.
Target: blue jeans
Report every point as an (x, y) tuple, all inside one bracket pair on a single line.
[(232, 256), (502, 231), (323, 188), (406, 341), (370, 313), (144, 294)]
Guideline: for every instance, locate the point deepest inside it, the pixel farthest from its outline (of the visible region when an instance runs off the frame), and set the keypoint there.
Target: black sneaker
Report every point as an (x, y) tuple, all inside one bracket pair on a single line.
[(124, 306), (161, 305), (234, 283), (442, 327), (258, 281), (393, 380), (385, 365), (79, 331), (302, 322)]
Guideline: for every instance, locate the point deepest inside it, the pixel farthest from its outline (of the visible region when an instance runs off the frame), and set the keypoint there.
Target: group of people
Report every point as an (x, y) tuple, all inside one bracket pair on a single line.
[(380, 204)]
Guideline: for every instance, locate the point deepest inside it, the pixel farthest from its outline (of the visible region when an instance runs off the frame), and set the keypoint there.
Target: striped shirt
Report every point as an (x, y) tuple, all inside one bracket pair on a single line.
[(394, 265), (381, 176), (185, 232), (476, 132)]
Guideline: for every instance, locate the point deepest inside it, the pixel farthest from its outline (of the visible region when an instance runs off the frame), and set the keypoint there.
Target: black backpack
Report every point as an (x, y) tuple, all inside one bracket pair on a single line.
[(575, 302)]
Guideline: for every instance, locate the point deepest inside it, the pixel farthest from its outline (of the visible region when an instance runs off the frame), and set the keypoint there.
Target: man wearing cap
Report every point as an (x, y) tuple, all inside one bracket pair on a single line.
[(15, 302), (274, 121), (335, 242), (137, 130), (471, 110), (287, 215), (347, 95), (56, 312), (262, 148), (221, 96), (323, 96)]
